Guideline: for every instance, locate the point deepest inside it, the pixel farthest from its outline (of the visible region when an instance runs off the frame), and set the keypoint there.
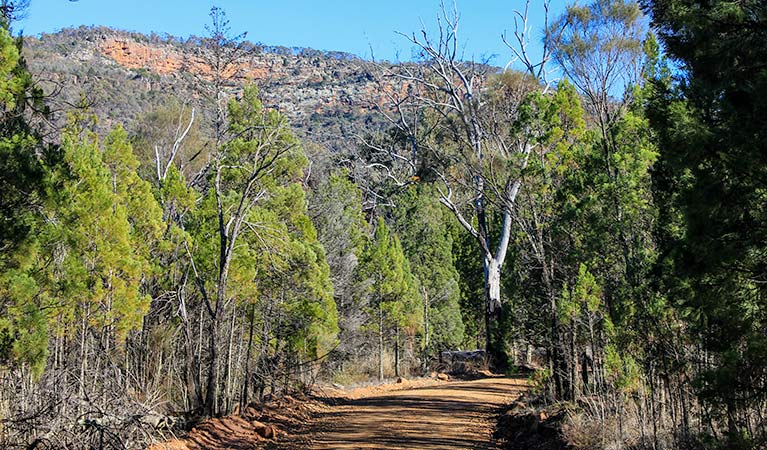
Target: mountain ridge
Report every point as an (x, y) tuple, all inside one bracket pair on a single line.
[(326, 95)]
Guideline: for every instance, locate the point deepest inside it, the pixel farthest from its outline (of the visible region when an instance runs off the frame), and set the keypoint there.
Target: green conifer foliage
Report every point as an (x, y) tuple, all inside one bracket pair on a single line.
[(23, 326), (395, 300), (424, 226), (711, 121), (304, 275), (105, 219)]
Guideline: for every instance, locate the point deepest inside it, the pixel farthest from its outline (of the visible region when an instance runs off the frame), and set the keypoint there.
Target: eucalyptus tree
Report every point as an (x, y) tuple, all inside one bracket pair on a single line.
[(449, 132), (600, 47)]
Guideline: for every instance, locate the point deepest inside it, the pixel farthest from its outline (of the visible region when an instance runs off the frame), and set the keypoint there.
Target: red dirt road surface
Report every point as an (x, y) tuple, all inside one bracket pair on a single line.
[(451, 415)]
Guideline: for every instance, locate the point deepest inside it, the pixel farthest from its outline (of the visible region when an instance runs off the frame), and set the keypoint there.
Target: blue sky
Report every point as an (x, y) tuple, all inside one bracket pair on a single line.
[(345, 25)]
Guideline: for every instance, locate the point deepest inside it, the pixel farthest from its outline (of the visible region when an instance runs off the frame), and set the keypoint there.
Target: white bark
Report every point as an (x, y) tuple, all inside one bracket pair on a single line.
[(453, 90), (493, 277)]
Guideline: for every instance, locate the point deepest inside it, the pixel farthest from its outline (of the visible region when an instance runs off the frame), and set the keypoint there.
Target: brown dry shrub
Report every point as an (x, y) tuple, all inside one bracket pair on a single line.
[(584, 432)]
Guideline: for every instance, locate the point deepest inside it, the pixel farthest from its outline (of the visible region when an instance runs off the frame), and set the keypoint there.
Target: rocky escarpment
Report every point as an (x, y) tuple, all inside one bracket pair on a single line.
[(326, 95)]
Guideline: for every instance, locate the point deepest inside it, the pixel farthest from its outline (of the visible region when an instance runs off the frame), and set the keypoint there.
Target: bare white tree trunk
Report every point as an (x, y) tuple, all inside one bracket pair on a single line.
[(454, 90)]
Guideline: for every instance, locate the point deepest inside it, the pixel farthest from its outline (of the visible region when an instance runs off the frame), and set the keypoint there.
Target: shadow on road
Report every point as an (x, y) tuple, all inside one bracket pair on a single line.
[(452, 415)]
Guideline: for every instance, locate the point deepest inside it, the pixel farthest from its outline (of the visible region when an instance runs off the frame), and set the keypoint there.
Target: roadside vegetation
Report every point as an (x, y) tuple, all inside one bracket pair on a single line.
[(593, 214)]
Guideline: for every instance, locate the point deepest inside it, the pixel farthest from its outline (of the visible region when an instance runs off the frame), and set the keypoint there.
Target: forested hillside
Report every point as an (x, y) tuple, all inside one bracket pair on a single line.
[(194, 226)]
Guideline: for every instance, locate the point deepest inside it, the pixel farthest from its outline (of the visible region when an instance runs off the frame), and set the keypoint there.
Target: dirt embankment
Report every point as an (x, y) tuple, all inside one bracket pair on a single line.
[(253, 428)]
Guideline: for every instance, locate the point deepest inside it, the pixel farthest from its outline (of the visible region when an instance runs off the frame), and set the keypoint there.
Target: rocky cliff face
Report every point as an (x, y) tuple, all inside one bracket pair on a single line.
[(326, 95)]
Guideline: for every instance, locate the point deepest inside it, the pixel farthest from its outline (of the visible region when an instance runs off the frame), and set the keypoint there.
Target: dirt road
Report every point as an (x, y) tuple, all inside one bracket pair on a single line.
[(448, 415)]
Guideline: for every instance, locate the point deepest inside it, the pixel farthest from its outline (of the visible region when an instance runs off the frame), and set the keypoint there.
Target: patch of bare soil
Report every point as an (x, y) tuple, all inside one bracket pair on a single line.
[(333, 395)]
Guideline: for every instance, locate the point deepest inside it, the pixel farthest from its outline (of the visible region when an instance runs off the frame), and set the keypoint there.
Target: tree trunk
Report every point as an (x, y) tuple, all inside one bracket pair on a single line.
[(228, 377), (380, 343), (247, 375), (573, 364), (556, 351), (425, 295), (212, 392), (199, 354), (396, 352), (83, 356), (192, 387), (493, 325)]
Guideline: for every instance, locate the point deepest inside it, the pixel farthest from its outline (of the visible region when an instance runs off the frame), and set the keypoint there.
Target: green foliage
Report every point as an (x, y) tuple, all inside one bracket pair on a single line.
[(553, 121), (585, 297), (278, 262), (10, 85), (23, 326), (710, 123), (263, 139), (310, 307), (392, 285), (599, 46), (424, 227), (143, 211), (105, 218), (539, 380), (468, 266), (21, 172), (622, 370)]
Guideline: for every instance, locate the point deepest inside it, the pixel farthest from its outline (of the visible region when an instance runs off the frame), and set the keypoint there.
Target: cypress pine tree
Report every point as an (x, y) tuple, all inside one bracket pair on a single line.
[(23, 326), (395, 300), (711, 122)]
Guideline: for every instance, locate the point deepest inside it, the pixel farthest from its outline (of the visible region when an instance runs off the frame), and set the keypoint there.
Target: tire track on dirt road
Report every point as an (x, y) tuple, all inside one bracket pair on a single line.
[(452, 415)]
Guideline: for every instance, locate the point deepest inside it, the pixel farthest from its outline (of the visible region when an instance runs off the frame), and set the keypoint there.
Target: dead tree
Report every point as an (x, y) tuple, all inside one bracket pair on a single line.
[(457, 136)]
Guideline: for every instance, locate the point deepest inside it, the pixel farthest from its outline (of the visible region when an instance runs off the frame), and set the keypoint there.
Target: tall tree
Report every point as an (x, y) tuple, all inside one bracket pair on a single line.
[(600, 48), (556, 122), (261, 154), (395, 300), (285, 285), (23, 328), (452, 134), (105, 222), (711, 121), (424, 227), (335, 206)]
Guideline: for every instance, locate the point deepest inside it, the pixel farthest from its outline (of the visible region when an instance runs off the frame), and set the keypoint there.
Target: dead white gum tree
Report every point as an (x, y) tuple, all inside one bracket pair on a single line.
[(452, 132)]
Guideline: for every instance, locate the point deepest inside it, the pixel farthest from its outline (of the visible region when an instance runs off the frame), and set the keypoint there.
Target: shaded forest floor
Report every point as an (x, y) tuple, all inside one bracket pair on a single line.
[(419, 414)]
